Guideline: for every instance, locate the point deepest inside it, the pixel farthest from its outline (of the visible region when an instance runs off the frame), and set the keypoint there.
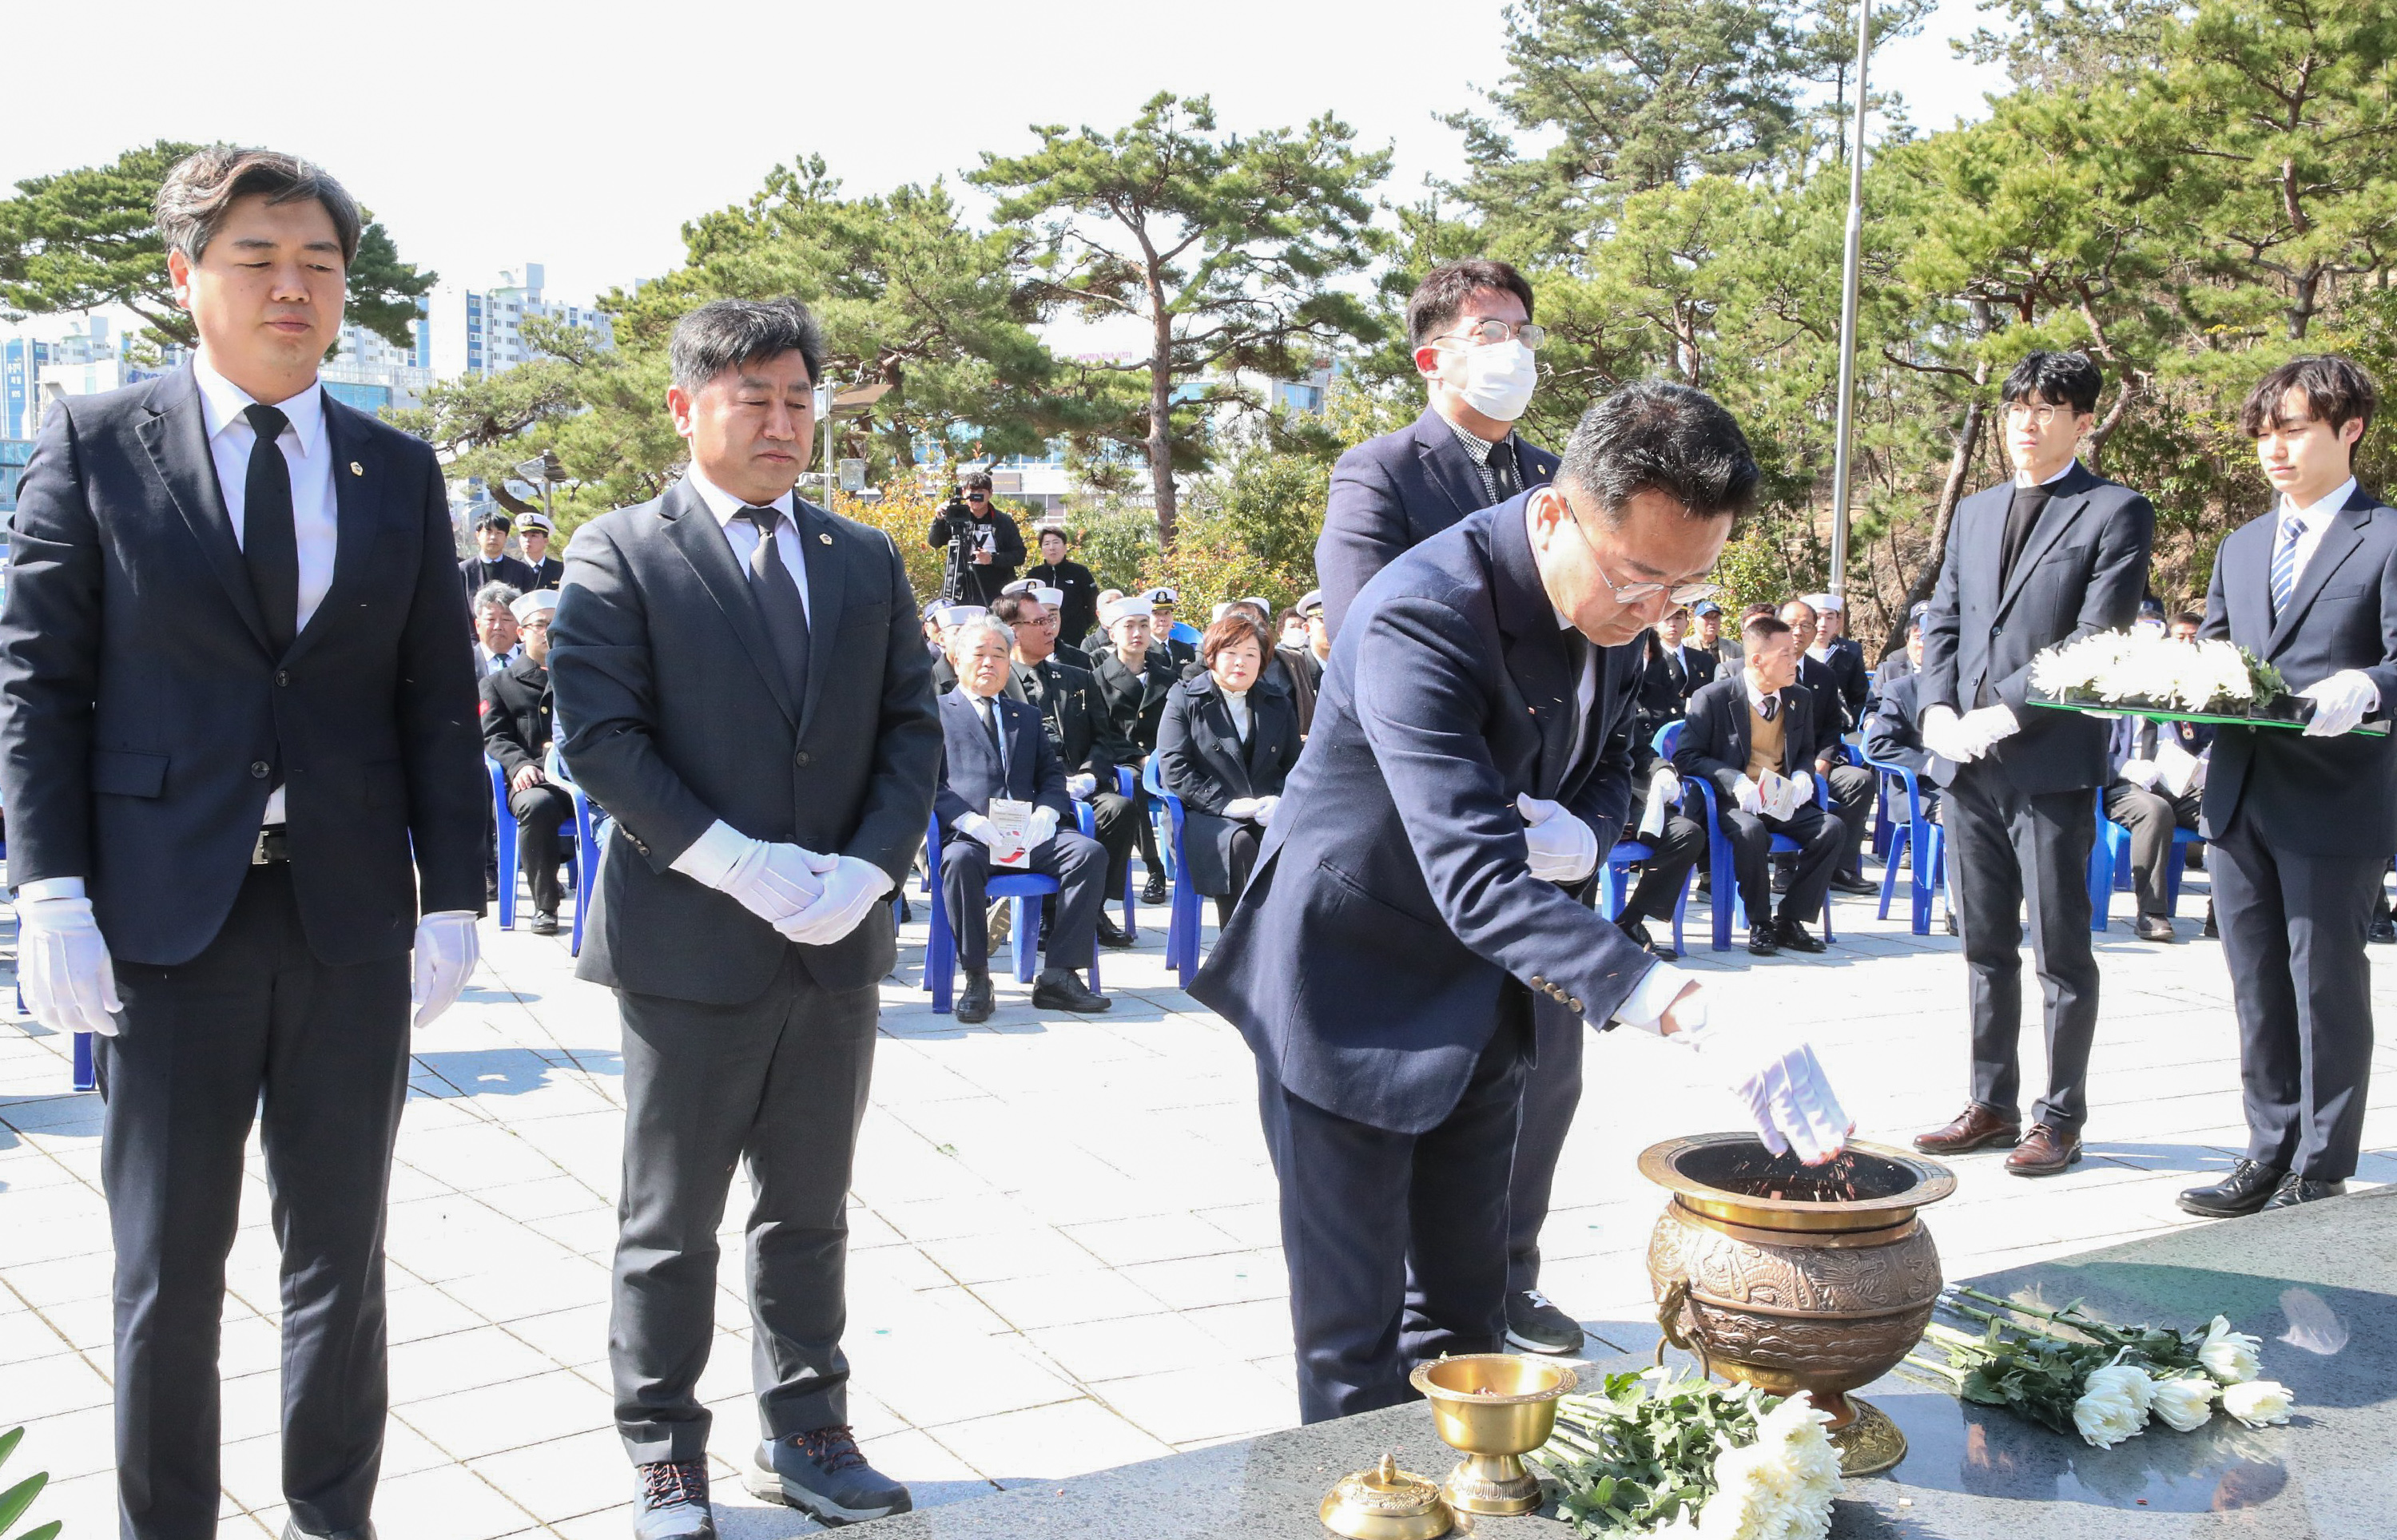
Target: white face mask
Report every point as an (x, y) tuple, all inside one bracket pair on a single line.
[(1499, 378)]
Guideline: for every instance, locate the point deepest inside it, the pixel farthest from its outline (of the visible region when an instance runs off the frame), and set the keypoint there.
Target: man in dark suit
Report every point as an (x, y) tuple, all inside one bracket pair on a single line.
[(1741, 733), (237, 749), (491, 563), (1410, 905), (518, 726), (1852, 786), (997, 747), (1180, 652), (1839, 652), (2059, 554), (1666, 680), (1082, 731), (2303, 824), (1135, 679), (1045, 606), (535, 532), (1903, 662), (744, 687), (1470, 326), (2140, 797)]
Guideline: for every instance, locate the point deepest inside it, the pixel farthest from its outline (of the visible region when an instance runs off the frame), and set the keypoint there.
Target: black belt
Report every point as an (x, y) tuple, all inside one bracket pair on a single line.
[(273, 847)]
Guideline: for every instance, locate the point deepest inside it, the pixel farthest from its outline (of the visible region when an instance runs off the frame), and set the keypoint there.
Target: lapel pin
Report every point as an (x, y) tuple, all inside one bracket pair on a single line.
[(825, 538), (357, 470)]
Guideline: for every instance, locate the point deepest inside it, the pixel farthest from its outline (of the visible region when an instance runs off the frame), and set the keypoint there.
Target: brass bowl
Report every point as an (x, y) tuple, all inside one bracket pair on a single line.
[(1494, 1408), (1791, 1292), (1386, 1503)]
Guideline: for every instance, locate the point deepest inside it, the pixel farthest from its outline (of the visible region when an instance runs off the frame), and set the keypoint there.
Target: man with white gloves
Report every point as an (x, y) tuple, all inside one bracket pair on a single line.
[(741, 684), (239, 752), (994, 747), (2057, 554), (1400, 958)]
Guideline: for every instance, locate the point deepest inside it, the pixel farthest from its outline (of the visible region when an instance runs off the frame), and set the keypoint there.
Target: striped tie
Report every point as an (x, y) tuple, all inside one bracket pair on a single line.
[(2284, 563)]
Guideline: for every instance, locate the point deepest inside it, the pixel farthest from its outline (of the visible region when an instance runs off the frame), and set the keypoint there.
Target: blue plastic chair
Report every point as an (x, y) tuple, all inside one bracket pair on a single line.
[(507, 845), (1026, 888), (1614, 873), (1722, 875), (1919, 834), (1182, 914), (2110, 866), (1127, 787)]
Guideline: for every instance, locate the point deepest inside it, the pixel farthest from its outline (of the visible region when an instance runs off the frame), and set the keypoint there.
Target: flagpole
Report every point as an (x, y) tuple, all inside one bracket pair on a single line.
[(1840, 465)]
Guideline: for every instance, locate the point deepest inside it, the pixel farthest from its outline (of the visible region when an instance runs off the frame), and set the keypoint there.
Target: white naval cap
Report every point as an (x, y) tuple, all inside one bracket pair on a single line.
[(529, 605)]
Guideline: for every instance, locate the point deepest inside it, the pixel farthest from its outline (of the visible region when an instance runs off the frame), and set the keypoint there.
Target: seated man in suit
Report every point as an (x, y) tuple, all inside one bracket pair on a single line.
[(1177, 642), (1050, 603), (1665, 677), (1082, 731), (517, 726), (1840, 653), (1133, 678), (2140, 797), (1739, 730), (1894, 735), (948, 617), (994, 746), (1852, 786), (1680, 845)]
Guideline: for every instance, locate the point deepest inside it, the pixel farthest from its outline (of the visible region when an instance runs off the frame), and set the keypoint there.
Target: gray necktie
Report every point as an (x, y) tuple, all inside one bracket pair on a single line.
[(779, 604)]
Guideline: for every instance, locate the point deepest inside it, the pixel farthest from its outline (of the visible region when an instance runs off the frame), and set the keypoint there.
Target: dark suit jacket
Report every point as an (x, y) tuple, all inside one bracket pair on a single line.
[(1715, 739), (970, 771), (1822, 687), (2083, 569), (1894, 732), (1303, 671), (143, 718), (675, 714), (2314, 796), (549, 574), (2123, 743), (518, 574), (1666, 683), (1846, 661), (1136, 701), (1391, 494), (1201, 760), (1392, 908), (1080, 727), (517, 715)]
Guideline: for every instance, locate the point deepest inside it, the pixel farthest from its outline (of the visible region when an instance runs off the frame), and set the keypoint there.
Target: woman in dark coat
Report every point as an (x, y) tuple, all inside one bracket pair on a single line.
[(1227, 743)]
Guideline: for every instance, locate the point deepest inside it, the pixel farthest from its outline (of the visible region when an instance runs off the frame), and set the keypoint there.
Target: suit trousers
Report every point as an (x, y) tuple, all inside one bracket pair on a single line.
[(2292, 930), (1396, 1243), (254, 1025), (1076, 860), (1681, 845), (1819, 837), (1852, 790), (2150, 816), (778, 1083), (1551, 1095), (541, 811), (2007, 845), (1114, 821)]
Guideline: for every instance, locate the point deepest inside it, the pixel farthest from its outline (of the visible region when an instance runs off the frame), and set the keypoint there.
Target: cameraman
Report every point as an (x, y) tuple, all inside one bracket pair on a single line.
[(984, 547)]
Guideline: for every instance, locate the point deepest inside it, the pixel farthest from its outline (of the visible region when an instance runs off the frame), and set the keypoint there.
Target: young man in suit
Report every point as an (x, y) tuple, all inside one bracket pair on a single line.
[(492, 563), (1166, 637), (997, 747), (2056, 556), (1759, 721), (744, 687), (518, 721), (239, 751), (1135, 679), (1412, 905), (1470, 326), (2303, 824), (548, 570)]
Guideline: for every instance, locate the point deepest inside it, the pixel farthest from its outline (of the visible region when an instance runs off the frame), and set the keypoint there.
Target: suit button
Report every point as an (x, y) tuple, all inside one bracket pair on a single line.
[(1538, 982), (282, 676), (259, 769), (1574, 1003), (800, 759), (1997, 630)]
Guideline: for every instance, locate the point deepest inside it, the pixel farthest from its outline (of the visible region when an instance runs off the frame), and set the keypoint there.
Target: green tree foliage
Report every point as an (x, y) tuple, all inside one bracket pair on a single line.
[(83, 239), (1224, 248)]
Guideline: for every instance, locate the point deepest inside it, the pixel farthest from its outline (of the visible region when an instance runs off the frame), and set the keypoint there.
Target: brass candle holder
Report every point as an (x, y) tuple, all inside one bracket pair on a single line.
[(1386, 1503), (1493, 1408)]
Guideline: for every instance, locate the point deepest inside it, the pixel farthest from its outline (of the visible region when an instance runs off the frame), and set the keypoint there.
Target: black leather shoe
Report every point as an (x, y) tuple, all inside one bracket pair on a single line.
[(544, 924), (1952, 930), (1062, 989), (2152, 927), (292, 1530), (1780, 877), (2383, 929), (1793, 937), (2295, 1189), (823, 1474), (1864, 888), (1111, 933), (2248, 1187), (671, 1502), (1762, 942), (2211, 933), (1155, 891), (1637, 931), (1536, 1326), (975, 1001)]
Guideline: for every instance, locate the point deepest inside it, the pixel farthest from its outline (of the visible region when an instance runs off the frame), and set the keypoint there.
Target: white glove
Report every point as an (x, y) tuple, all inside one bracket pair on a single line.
[(975, 826), (447, 950), (1563, 849), (1985, 728), (63, 967), (2140, 773), (1079, 788), (1664, 785), (1266, 808), (852, 888), (2340, 701), (1042, 829), (1751, 799), (1943, 733), (1801, 790), (1244, 808), (1772, 1069), (773, 881)]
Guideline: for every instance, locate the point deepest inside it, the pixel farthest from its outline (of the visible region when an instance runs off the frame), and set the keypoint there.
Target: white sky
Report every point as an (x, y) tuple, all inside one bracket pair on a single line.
[(488, 135)]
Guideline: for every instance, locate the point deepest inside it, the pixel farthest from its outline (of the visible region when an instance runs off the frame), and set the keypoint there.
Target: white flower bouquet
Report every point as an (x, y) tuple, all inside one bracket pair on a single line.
[(2074, 1373), (1689, 1460), (2144, 671)]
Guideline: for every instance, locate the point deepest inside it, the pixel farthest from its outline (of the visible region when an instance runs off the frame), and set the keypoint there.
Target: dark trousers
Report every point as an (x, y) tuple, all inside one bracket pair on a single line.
[(1853, 788), (1145, 833), (1551, 1095), (1819, 838), (255, 1025), (1114, 821), (1245, 842), (2293, 933), (2007, 845), (1681, 845), (1080, 867), (2150, 816), (1396, 1243), (541, 811), (778, 1083)]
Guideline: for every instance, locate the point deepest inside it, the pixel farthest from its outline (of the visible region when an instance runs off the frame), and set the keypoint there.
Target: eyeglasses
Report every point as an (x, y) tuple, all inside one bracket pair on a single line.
[(1488, 334), (2018, 412), (1627, 595)]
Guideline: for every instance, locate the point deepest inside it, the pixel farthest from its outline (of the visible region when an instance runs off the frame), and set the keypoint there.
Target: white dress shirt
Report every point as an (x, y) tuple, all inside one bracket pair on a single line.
[(1237, 702), (309, 453), (2315, 517), (743, 535)]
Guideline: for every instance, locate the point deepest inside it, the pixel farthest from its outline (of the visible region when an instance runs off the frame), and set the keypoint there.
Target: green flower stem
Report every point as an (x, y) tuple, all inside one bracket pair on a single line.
[(1943, 1371), (2038, 1310)]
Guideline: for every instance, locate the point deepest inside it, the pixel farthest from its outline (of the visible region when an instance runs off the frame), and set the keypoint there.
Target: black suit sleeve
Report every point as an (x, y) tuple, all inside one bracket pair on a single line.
[(1700, 753), (49, 662), (1364, 530), (2118, 579), (1890, 737), (501, 739), (440, 744)]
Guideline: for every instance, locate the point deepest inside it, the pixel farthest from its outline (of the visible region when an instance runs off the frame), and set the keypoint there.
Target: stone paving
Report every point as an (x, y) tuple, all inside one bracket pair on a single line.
[(1063, 1242)]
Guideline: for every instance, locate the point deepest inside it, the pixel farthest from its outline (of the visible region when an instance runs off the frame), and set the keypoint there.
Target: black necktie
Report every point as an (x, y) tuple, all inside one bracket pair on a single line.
[(779, 604), (1502, 468), (1770, 709), (2021, 514), (268, 546), (990, 727)]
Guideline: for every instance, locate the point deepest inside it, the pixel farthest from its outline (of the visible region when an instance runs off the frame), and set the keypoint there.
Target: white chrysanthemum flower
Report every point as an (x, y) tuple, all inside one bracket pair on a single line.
[(2106, 1414), (2230, 1357), (2186, 1402), (2133, 1381), (2258, 1402), (1780, 1487)]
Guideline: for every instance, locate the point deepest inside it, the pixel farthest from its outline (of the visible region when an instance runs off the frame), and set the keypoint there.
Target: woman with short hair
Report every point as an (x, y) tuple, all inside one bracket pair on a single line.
[(1227, 742)]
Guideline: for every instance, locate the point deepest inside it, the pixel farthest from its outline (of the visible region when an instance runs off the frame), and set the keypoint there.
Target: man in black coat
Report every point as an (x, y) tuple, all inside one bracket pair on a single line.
[(2303, 824), (984, 545), (238, 752), (1740, 731), (517, 726), (1470, 326), (1078, 611), (1083, 732), (2056, 556), (492, 563), (743, 684), (1411, 906), (536, 532)]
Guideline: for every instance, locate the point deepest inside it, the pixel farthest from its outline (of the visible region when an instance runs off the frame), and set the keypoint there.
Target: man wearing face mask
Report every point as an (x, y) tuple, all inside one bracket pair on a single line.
[(1470, 326)]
